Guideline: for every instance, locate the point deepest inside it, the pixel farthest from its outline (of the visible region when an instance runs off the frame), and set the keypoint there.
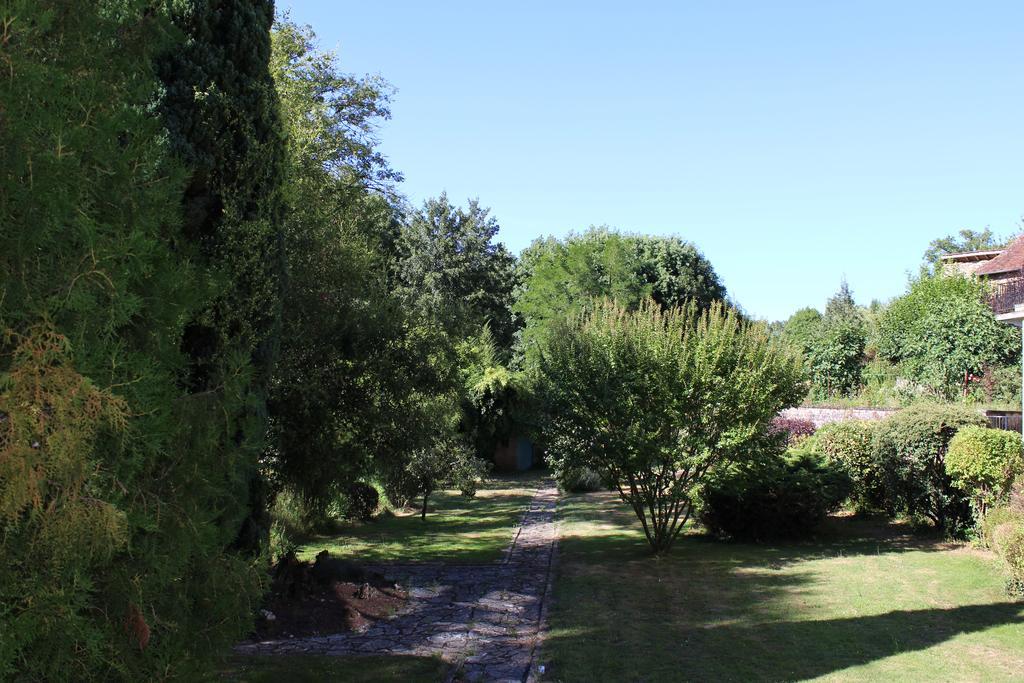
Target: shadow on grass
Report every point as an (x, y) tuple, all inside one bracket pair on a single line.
[(610, 530), (713, 610), (859, 640), (788, 650)]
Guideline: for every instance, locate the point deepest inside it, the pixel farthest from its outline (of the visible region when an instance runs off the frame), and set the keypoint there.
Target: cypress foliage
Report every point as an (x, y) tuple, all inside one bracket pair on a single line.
[(221, 113), (140, 269)]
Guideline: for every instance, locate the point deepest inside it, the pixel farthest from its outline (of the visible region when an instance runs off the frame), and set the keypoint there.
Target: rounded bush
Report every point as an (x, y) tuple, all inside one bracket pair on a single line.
[(994, 519), (850, 445), (1002, 530), (579, 480), (983, 462), (781, 496), (361, 501), (1008, 542), (910, 450)]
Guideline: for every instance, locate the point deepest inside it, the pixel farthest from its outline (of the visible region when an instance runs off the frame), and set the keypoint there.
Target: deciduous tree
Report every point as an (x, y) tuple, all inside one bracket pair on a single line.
[(836, 350), (560, 278), (942, 330), (651, 400), (802, 327), (965, 240), (453, 270), (363, 381)]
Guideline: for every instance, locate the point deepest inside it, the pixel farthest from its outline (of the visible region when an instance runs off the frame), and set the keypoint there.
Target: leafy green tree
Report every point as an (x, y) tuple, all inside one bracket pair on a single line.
[(652, 400), (561, 278), (337, 318), (802, 327), (872, 316), (447, 462), (495, 399), (835, 359), (941, 330), (841, 305), (332, 117), (361, 382), (965, 240), (836, 351), (677, 272), (453, 270)]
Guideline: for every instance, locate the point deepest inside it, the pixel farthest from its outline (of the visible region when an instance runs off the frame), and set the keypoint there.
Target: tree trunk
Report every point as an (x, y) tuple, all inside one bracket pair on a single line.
[(423, 512)]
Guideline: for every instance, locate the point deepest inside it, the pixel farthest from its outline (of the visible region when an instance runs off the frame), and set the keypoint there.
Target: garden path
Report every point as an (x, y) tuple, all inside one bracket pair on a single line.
[(486, 619)]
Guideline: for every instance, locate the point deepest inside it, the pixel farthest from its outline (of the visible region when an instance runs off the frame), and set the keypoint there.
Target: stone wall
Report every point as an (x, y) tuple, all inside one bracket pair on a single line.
[(823, 415), (997, 419)]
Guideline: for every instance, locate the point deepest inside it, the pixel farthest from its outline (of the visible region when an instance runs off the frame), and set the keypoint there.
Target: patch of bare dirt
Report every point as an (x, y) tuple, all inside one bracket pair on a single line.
[(324, 597)]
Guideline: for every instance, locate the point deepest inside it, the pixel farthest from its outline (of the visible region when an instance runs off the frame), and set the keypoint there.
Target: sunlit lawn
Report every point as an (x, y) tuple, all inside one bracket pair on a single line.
[(865, 603), (457, 529)]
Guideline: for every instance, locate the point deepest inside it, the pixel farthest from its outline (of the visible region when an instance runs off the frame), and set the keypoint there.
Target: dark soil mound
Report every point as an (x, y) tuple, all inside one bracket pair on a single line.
[(324, 597)]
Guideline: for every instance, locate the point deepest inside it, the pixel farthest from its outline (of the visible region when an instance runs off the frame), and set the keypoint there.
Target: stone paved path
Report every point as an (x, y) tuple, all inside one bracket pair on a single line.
[(487, 618)]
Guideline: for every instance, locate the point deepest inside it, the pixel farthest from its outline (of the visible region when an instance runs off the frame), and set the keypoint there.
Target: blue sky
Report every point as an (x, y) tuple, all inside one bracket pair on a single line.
[(795, 143)]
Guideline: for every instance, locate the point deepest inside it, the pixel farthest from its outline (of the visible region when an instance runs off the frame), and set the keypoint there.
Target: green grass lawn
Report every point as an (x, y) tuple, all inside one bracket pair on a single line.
[(866, 602), (457, 529)]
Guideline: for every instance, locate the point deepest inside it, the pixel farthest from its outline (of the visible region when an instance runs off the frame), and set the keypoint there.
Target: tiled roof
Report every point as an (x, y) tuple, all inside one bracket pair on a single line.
[(1012, 259)]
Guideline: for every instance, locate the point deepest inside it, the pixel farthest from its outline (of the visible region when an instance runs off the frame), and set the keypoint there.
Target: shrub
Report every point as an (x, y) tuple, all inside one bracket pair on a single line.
[(850, 445), (579, 480), (361, 501), (288, 512), (995, 518), (910, 450), (793, 429), (447, 462), (281, 542), (651, 400), (1003, 532), (1012, 552), (780, 496), (983, 462)]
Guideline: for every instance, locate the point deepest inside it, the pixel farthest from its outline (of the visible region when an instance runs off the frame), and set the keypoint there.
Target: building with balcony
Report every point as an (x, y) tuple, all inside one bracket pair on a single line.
[(1002, 268)]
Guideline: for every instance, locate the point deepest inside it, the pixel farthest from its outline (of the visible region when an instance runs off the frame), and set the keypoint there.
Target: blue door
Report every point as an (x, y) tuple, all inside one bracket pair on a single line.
[(524, 454)]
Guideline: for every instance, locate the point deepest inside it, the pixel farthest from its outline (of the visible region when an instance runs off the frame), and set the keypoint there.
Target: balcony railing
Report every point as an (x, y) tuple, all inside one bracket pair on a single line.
[(1006, 294)]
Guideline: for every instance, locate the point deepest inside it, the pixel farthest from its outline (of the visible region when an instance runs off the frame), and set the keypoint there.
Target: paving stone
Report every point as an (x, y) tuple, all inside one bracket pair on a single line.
[(487, 616)]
